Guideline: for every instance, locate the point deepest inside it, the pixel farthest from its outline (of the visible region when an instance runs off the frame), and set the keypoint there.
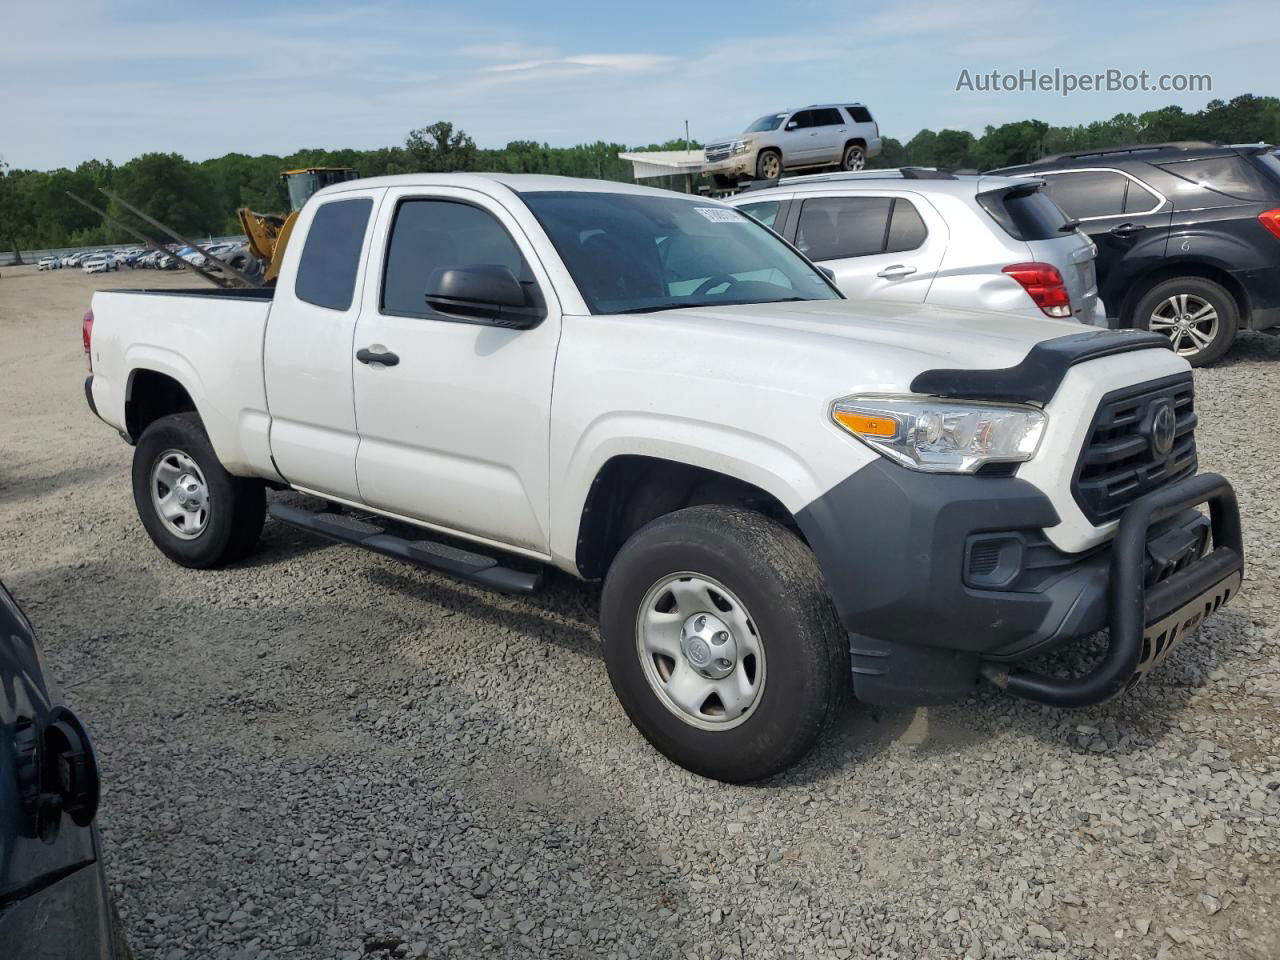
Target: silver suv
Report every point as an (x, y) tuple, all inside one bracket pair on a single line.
[(814, 136), (916, 235)]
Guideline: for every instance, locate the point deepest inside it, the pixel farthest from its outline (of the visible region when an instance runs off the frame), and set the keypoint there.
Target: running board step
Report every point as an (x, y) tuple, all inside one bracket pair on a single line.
[(442, 557)]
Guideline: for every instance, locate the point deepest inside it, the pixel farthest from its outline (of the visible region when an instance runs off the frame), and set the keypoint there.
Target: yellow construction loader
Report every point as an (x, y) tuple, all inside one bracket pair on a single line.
[(268, 233)]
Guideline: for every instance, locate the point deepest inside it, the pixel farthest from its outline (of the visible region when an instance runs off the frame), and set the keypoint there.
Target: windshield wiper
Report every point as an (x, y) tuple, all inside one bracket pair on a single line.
[(655, 308)]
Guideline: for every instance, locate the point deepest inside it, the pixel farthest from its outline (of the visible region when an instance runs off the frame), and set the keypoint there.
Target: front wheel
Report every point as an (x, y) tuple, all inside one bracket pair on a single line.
[(721, 642), (194, 511), (1197, 315), (769, 165)]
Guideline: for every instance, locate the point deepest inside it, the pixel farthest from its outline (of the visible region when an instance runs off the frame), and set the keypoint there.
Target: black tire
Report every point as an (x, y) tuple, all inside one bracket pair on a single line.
[(806, 660), (854, 157), (1164, 296), (763, 161), (236, 507)]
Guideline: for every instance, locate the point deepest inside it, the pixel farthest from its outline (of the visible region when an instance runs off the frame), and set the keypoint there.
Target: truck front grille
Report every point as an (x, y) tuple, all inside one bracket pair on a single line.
[(716, 151), (1122, 458)]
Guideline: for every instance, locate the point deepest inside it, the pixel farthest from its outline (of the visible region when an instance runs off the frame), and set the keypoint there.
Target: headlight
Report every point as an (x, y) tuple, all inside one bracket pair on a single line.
[(942, 436), (740, 146)]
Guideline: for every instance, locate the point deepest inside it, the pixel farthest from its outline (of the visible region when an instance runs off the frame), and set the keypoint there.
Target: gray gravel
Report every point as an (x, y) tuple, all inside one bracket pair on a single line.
[(322, 753)]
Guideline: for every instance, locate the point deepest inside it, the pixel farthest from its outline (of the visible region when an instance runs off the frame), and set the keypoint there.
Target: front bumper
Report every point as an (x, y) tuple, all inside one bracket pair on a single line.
[(897, 550)]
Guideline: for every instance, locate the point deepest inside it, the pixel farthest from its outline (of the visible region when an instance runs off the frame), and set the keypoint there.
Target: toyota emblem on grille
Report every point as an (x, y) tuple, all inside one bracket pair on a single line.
[(1163, 425)]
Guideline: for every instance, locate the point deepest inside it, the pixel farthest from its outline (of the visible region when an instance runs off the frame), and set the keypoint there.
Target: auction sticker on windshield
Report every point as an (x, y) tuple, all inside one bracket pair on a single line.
[(719, 214)]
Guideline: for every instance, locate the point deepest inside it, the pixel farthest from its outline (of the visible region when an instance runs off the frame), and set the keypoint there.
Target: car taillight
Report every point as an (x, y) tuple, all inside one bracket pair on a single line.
[(86, 335), (1044, 285), (1271, 220)]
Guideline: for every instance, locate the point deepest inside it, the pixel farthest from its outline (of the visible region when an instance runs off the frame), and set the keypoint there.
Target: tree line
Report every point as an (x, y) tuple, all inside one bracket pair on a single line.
[(201, 198)]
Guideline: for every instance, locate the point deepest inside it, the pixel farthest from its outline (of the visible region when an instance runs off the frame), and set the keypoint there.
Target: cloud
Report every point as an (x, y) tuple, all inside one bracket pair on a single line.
[(620, 62)]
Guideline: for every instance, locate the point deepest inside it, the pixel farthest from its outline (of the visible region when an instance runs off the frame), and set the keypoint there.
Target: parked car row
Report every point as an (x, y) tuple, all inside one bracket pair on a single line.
[(175, 256), (923, 236), (1188, 236), (1180, 239)]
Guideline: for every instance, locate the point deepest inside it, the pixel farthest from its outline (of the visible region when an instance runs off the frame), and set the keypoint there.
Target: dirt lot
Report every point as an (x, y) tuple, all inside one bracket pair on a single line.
[(322, 753)]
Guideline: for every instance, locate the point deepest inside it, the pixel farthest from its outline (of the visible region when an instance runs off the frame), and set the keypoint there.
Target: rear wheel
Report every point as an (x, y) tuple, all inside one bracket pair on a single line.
[(1197, 315), (721, 642), (769, 165), (194, 511), (854, 157)]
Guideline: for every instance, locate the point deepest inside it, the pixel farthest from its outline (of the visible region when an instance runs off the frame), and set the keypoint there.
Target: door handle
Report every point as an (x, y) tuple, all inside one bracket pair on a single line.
[(896, 271), (384, 357), (1127, 229)]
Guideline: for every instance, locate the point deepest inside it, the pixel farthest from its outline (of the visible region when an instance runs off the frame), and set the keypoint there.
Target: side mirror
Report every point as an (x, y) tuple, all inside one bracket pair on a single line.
[(828, 273), (791, 125), (487, 293)]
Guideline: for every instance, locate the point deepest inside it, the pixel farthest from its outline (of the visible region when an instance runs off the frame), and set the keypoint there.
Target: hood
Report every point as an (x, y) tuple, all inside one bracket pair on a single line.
[(923, 336)]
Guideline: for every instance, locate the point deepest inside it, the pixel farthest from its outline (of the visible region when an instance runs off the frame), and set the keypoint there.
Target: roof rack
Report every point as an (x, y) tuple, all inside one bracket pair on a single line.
[(1129, 148)]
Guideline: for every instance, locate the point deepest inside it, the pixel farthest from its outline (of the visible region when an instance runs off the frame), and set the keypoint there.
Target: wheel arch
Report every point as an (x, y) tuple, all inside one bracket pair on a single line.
[(631, 490), (151, 394), (1142, 284)]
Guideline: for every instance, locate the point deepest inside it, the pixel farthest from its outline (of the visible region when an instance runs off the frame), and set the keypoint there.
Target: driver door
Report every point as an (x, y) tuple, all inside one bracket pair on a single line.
[(454, 434)]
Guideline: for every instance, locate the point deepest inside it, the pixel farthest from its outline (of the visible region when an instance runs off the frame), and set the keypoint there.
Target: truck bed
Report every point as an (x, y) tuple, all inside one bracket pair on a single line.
[(209, 342)]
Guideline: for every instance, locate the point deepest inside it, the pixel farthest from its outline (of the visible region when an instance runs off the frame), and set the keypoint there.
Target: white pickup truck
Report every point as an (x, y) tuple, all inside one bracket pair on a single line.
[(790, 497)]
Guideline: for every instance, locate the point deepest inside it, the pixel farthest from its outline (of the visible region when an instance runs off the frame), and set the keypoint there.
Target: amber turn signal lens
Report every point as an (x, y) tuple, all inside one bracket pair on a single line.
[(866, 425)]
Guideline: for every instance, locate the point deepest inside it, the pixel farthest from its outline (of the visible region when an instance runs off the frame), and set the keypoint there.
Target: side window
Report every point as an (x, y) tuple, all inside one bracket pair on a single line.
[(802, 119), (1138, 199), (859, 114), (827, 117), (1232, 176), (832, 228), (1089, 193), (331, 258), (906, 230), (766, 212), (432, 235)]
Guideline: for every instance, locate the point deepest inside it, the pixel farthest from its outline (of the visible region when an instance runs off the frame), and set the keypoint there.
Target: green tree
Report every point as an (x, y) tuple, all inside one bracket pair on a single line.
[(172, 190), (953, 149), (1010, 143), (441, 148)]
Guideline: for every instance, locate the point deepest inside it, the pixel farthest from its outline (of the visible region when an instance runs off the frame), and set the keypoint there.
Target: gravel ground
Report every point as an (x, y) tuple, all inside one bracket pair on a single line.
[(321, 753)]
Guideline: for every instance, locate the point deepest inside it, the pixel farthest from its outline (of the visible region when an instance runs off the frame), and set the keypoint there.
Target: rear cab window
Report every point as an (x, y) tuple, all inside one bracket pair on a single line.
[(330, 258)]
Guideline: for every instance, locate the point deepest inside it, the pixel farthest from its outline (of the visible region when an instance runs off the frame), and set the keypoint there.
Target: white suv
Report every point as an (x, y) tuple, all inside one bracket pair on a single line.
[(814, 136), (917, 235)]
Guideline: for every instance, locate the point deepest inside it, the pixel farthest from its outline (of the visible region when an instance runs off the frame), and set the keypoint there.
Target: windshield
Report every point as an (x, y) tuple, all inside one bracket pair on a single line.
[(635, 254), (770, 122)]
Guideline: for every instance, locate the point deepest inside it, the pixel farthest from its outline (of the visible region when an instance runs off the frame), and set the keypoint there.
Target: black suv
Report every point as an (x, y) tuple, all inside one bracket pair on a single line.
[(1188, 236)]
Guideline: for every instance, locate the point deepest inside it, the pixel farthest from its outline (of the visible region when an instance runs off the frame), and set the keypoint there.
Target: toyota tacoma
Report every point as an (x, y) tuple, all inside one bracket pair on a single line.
[(790, 497)]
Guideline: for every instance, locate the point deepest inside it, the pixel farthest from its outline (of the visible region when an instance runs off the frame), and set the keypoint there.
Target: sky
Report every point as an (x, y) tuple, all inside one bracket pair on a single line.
[(110, 80)]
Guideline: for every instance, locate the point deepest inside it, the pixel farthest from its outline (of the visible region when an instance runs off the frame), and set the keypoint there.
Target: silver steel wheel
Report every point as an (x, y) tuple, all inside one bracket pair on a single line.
[(1191, 322), (179, 494), (771, 166), (700, 651), (854, 158)]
